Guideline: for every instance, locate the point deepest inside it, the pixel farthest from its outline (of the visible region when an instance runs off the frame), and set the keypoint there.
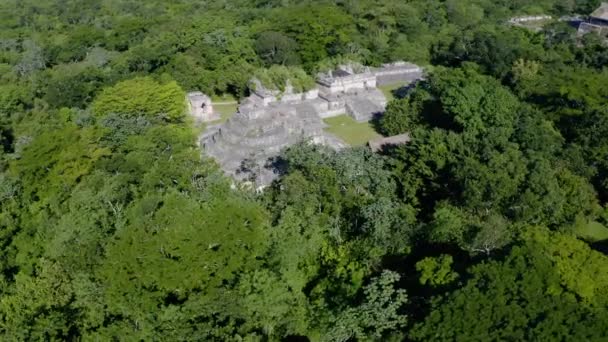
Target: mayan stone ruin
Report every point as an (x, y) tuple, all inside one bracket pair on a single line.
[(200, 107), (597, 22), (269, 120)]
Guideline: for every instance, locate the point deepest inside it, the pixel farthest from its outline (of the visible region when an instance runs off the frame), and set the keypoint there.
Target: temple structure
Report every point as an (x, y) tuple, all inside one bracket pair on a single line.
[(597, 22), (269, 120), (200, 107), (599, 17)]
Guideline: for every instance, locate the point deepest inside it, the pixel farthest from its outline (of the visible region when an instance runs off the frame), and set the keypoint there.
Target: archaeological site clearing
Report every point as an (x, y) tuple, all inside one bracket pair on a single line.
[(271, 119)]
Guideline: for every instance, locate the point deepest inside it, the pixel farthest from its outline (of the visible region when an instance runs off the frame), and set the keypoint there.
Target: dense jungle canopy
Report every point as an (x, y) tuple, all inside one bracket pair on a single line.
[(489, 226)]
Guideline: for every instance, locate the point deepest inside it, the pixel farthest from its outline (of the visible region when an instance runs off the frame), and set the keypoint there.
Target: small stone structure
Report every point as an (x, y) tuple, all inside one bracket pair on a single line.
[(200, 107), (380, 143), (600, 15), (269, 120), (597, 22), (531, 22), (528, 18), (345, 79)]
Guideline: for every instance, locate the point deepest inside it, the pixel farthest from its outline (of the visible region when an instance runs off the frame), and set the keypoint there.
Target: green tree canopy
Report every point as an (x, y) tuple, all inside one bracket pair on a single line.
[(142, 96), (544, 289)]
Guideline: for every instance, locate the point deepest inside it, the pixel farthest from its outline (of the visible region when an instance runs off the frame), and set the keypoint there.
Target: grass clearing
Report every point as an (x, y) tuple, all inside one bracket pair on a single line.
[(388, 89), (223, 98), (592, 231), (226, 111), (350, 131)]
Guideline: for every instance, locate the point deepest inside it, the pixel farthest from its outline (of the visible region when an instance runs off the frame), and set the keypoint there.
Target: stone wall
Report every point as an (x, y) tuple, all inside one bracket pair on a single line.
[(286, 98), (311, 94), (585, 28), (598, 22), (330, 113), (337, 84), (398, 72), (264, 98), (398, 78), (528, 18)]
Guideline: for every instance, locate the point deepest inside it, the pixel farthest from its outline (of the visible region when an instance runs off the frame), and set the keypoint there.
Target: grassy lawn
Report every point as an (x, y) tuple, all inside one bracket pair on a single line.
[(225, 110), (592, 231), (223, 98), (388, 89), (350, 131)]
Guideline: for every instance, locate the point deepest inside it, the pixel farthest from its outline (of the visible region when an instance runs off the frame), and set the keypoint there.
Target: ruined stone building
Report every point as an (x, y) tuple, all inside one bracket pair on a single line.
[(597, 22), (269, 120), (530, 22), (378, 144), (200, 107), (599, 17)]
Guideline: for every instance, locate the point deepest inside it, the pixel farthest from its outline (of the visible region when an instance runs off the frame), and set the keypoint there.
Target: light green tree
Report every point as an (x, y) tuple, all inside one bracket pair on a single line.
[(436, 271), (142, 96)]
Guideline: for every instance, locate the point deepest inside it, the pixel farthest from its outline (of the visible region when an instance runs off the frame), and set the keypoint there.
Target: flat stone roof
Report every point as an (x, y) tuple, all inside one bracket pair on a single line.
[(601, 12), (377, 144), (340, 73), (197, 95), (397, 66)]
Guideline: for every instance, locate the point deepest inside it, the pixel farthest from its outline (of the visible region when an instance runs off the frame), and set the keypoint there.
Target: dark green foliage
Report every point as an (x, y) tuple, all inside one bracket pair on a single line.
[(73, 85), (276, 48), (374, 317), (403, 115), (488, 155), (528, 296), (113, 227)]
